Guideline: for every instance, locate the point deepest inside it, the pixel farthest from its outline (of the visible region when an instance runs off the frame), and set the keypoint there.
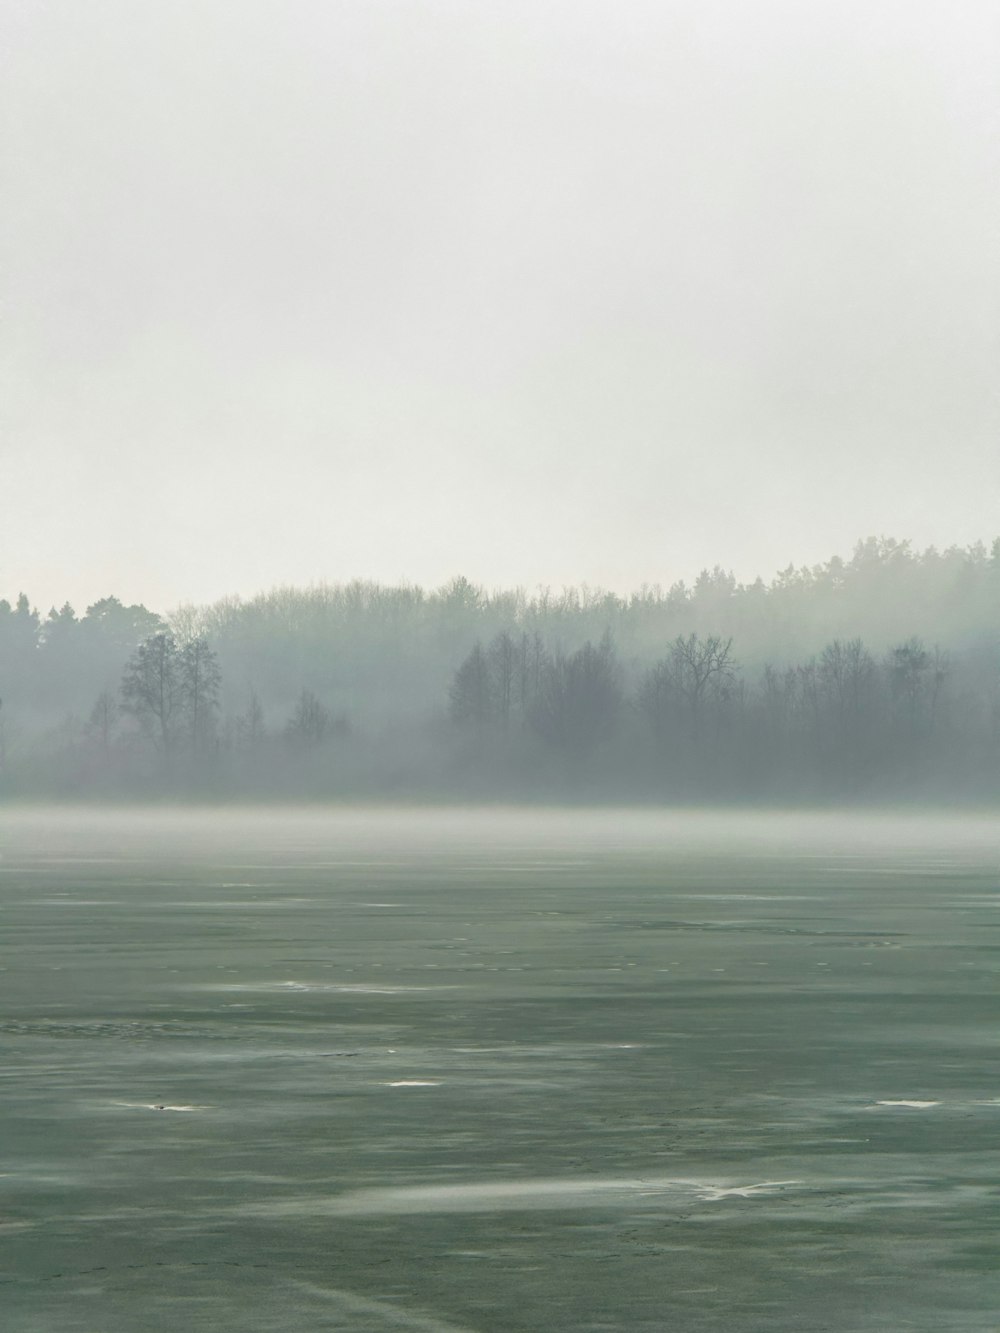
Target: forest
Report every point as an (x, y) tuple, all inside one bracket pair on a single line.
[(875, 678)]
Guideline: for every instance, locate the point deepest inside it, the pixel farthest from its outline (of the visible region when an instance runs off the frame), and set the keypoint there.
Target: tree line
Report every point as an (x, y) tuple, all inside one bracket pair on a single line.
[(876, 676), (846, 723)]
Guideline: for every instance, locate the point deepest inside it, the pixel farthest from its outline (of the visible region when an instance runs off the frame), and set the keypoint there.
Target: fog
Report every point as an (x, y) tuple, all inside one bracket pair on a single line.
[(499, 664), (864, 680), (488, 842), (542, 293)]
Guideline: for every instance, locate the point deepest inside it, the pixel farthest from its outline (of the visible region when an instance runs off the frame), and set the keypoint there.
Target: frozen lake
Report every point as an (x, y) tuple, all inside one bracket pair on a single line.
[(504, 1071)]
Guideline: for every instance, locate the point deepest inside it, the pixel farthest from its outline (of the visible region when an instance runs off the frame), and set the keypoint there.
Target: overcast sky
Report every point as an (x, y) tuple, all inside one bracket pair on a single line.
[(540, 292)]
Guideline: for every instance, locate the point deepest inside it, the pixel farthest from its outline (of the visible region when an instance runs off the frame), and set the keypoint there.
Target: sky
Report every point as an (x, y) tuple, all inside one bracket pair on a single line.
[(541, 292)]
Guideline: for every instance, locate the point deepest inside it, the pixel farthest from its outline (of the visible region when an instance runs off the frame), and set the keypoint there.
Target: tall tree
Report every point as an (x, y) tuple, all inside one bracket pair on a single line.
[(153, 690), (503, 669), (682, 681), (200, 680), (580, 697)]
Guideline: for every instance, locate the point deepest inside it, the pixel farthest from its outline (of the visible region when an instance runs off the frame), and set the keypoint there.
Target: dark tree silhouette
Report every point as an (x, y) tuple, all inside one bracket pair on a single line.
[(580, 698), (153, 690), (681, 683), (471, 695)]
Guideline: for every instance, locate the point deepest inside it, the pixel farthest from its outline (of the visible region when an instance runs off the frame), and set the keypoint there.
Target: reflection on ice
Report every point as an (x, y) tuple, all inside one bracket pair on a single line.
[(157, 1106), (913, 1105), (325, 987), (489, 1196)]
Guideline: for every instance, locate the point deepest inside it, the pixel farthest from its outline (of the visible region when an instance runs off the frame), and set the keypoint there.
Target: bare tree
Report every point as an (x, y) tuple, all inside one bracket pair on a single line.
[(200, 683), (846, 696), (503, 669), (153, 690), (916, 679), (172, 692), (698, 666), (848, 675), (529, 668)]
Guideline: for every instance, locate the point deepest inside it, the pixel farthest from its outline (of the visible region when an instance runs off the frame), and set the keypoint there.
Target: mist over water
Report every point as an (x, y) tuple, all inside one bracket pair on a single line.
[(472, 1068), (64, 834)]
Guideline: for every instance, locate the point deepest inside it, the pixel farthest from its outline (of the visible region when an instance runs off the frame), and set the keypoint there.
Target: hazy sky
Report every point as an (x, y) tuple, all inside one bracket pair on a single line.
[(541, 292)]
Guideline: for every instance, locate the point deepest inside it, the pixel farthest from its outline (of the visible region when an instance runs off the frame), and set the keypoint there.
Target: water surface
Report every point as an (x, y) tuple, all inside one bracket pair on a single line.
[(498, 1071)]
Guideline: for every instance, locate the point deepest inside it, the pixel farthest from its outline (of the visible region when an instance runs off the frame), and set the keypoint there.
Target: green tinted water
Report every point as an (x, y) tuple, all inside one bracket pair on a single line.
[(498, 1072)]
